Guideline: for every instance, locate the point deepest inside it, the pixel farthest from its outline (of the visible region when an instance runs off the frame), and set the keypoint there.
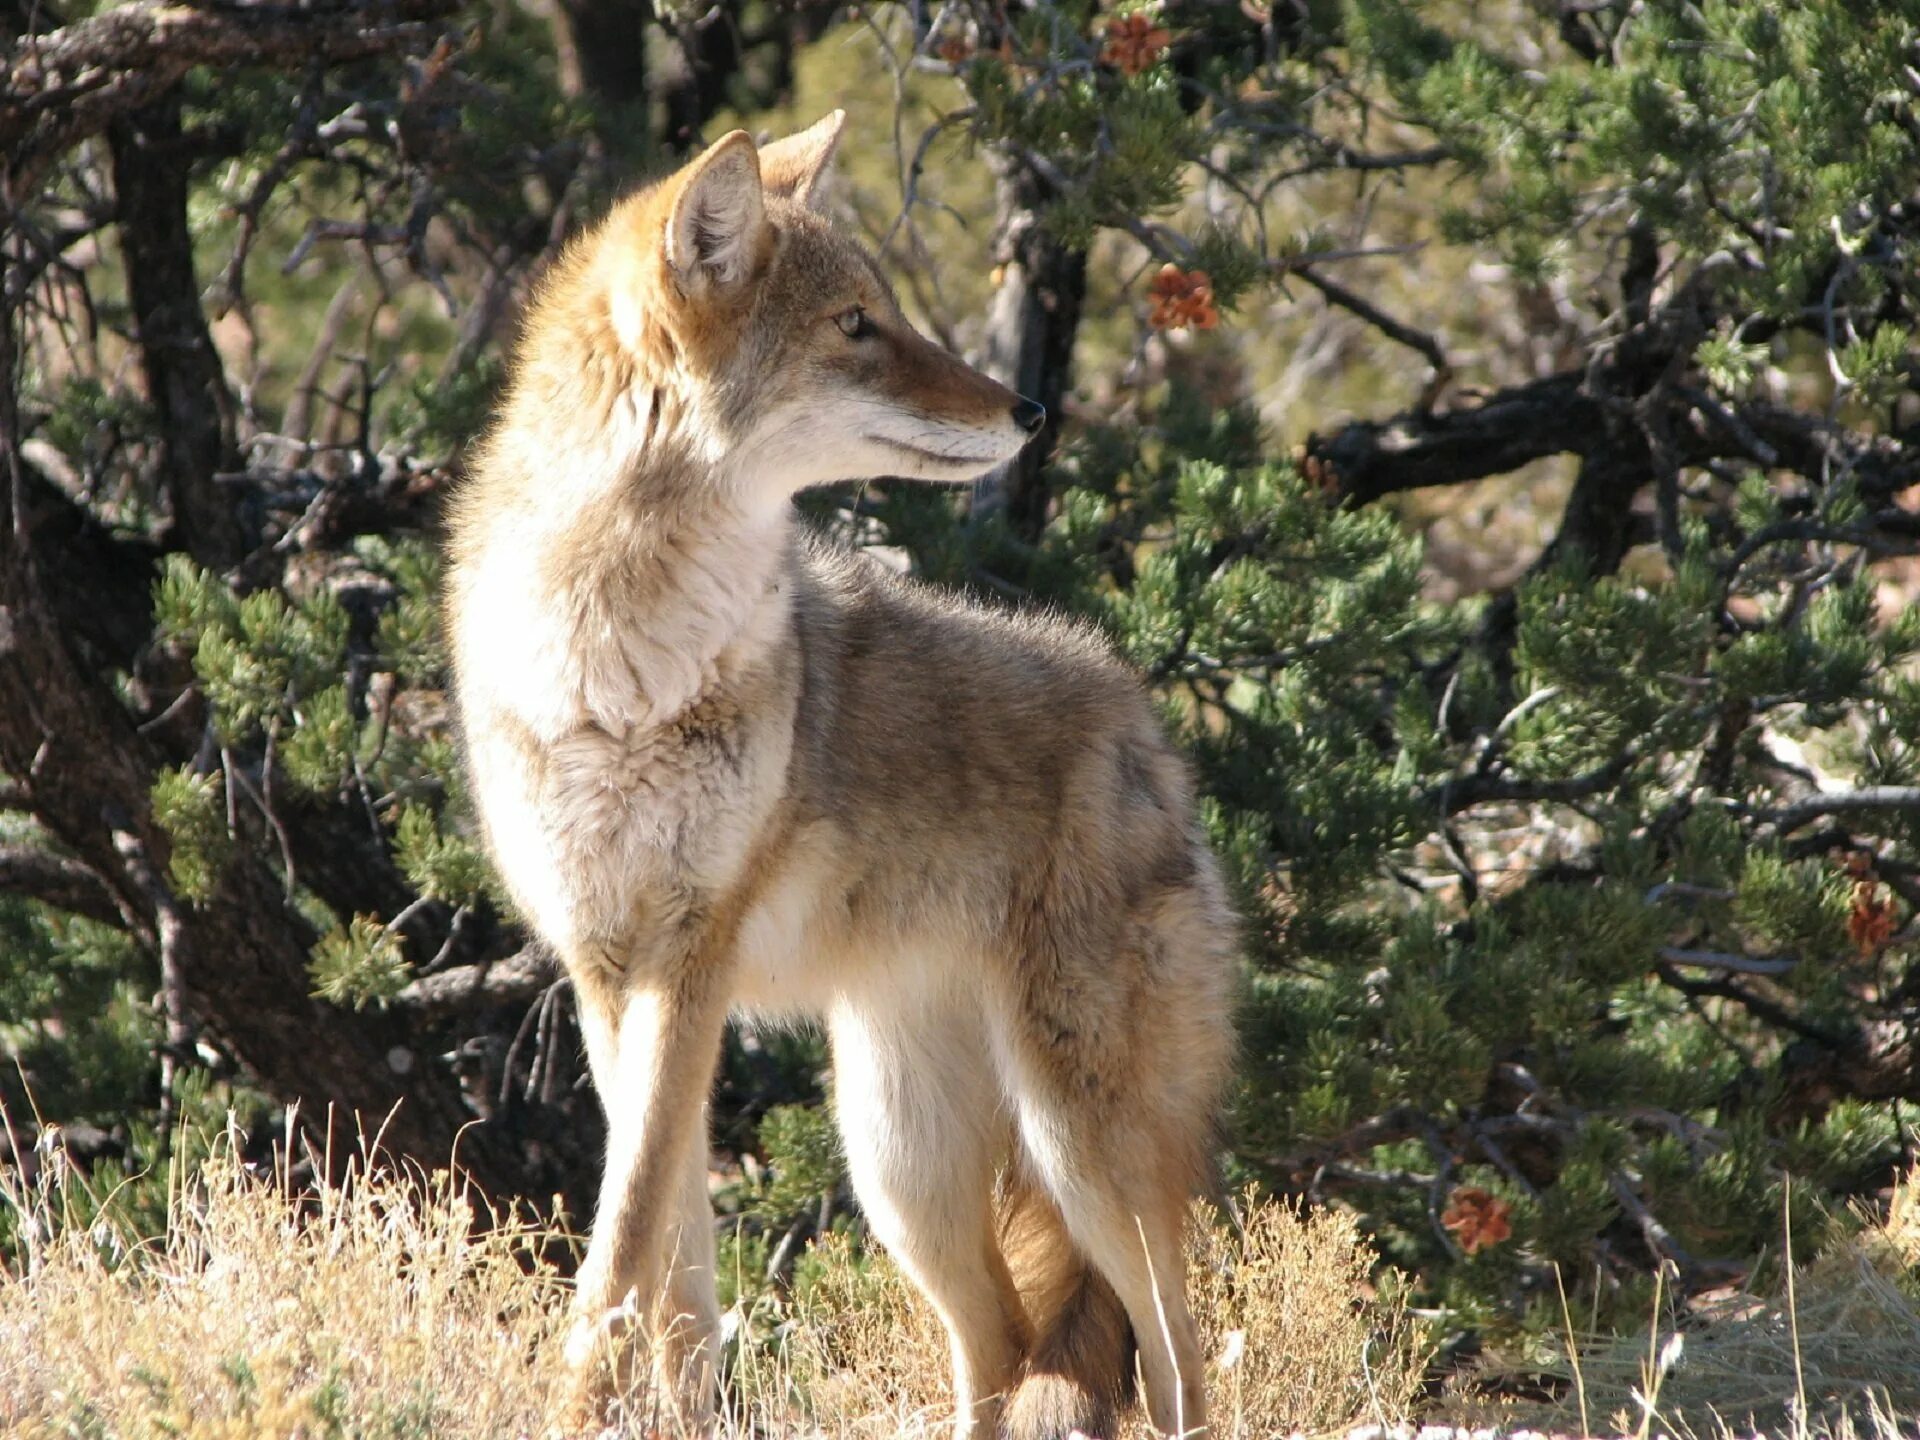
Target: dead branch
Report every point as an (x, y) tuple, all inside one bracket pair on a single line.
[(1511, 428), (58, 88), (58, 881), (517, 979)]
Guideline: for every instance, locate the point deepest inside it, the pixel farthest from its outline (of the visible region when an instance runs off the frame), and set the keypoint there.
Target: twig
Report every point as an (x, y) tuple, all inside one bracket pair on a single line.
[(1759, 1006), (1660, 1239), (1293, 264), (58, 881), (1393, 329), (910, 179), (1721, 960), (170, 932), (1842, 802)]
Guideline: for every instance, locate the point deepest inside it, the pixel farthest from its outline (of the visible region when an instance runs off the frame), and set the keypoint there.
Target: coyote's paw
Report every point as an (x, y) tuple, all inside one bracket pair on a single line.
[(582, 1408), (591, 1356), (581, 1417)]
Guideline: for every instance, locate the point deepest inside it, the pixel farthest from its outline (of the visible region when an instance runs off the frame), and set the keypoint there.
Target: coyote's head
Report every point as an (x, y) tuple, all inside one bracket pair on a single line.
[(779, 340)]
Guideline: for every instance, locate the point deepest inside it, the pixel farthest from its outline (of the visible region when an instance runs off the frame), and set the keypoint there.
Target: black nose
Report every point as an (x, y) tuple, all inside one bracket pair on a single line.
[(1028, 415)]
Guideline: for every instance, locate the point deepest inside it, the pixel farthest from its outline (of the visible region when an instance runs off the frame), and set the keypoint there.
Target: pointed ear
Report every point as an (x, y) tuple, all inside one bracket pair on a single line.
[(715, 228), (794, 167)]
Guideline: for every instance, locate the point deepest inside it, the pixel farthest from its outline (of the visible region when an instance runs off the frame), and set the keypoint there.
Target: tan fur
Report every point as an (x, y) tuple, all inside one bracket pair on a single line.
[(722, 765), (1080, 1363)]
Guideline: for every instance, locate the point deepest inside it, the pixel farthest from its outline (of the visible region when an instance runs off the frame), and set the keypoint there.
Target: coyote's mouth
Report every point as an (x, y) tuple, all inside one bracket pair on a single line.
[(938, 457)]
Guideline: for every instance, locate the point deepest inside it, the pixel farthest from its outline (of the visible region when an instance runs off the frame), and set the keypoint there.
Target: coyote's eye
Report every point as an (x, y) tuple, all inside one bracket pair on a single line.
[(854, 323)]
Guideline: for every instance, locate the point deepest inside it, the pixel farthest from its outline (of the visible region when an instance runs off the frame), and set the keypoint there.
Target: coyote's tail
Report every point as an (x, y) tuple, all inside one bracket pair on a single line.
[(1081, 1367)]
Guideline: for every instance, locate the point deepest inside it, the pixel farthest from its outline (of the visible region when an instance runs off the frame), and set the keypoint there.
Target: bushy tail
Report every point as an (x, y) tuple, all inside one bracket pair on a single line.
[(1081, 1368)]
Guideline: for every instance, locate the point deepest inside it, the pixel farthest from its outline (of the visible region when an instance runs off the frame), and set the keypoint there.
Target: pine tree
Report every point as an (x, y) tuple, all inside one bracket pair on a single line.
[(1583, 906)]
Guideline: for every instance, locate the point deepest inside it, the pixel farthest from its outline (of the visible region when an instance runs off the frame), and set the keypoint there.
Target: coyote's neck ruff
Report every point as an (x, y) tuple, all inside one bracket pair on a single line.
[(722, 765)]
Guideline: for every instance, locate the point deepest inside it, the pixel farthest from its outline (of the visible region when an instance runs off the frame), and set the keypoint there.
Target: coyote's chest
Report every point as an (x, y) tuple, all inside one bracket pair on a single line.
[(611, 839), (627, 755)]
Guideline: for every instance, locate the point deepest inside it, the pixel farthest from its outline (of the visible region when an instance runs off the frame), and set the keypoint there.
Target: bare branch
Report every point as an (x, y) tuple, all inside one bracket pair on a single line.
[(517, 979), (1393, 329), (1868, 799), (171, 930), (1721, 960), (58, 88), (58, 881), (1511, 428), (1660, 1240)]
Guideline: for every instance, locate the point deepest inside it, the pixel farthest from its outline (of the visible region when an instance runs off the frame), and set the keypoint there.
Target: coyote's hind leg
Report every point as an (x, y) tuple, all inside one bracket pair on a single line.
[(1115, 1107), (922, 1122), (1130, 1228)]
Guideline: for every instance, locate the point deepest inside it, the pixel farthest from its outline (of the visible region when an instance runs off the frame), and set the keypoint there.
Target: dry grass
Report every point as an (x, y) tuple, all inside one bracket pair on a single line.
[(1293, 1350), (1833, 1350), (1737, 1364), (381, 1309), (1293, 1347), (867, 1357)]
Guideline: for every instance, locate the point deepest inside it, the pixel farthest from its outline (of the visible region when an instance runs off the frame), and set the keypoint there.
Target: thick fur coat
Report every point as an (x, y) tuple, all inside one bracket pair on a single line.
[(722, 765)]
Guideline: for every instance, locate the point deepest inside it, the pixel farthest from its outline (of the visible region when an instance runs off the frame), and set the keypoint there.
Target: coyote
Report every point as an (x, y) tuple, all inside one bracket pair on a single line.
[(724, 765)]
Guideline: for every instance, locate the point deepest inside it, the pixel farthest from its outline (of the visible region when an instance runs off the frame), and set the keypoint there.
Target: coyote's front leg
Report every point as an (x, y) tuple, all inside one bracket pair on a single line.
[(653, 1049)]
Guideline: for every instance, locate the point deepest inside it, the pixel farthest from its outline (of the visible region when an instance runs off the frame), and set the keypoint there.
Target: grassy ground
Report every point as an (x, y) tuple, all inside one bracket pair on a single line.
[(382, 1309), (1833, 1348)]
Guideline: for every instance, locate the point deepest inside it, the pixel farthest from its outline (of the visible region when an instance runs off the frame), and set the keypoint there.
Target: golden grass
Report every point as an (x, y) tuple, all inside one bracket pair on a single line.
[(1832, 1350), (375, 1308), (1293, 1347), (380, 1308), (865, 1354)]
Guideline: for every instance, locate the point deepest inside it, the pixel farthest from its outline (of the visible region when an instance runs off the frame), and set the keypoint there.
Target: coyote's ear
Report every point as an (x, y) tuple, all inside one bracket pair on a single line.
[(794, 167), (715, 228)]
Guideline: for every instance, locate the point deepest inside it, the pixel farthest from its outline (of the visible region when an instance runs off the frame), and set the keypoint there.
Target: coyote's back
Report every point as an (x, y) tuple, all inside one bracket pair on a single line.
[(723, 765)]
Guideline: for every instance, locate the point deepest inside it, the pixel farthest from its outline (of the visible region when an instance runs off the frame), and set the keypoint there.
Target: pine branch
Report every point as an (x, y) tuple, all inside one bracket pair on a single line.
[(1511, 428), (1401, 1122), (58, 881), (1464, 793), (243, 970), (1810, 444), (58, 88), (1874, 1060), (516, 980), (1566, 414), (1867, 800), (1803, 532), (1759, 1006)]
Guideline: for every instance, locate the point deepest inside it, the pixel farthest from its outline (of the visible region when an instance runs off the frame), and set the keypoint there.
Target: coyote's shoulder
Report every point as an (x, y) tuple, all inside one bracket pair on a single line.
[(986, 716), (722, 764)]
